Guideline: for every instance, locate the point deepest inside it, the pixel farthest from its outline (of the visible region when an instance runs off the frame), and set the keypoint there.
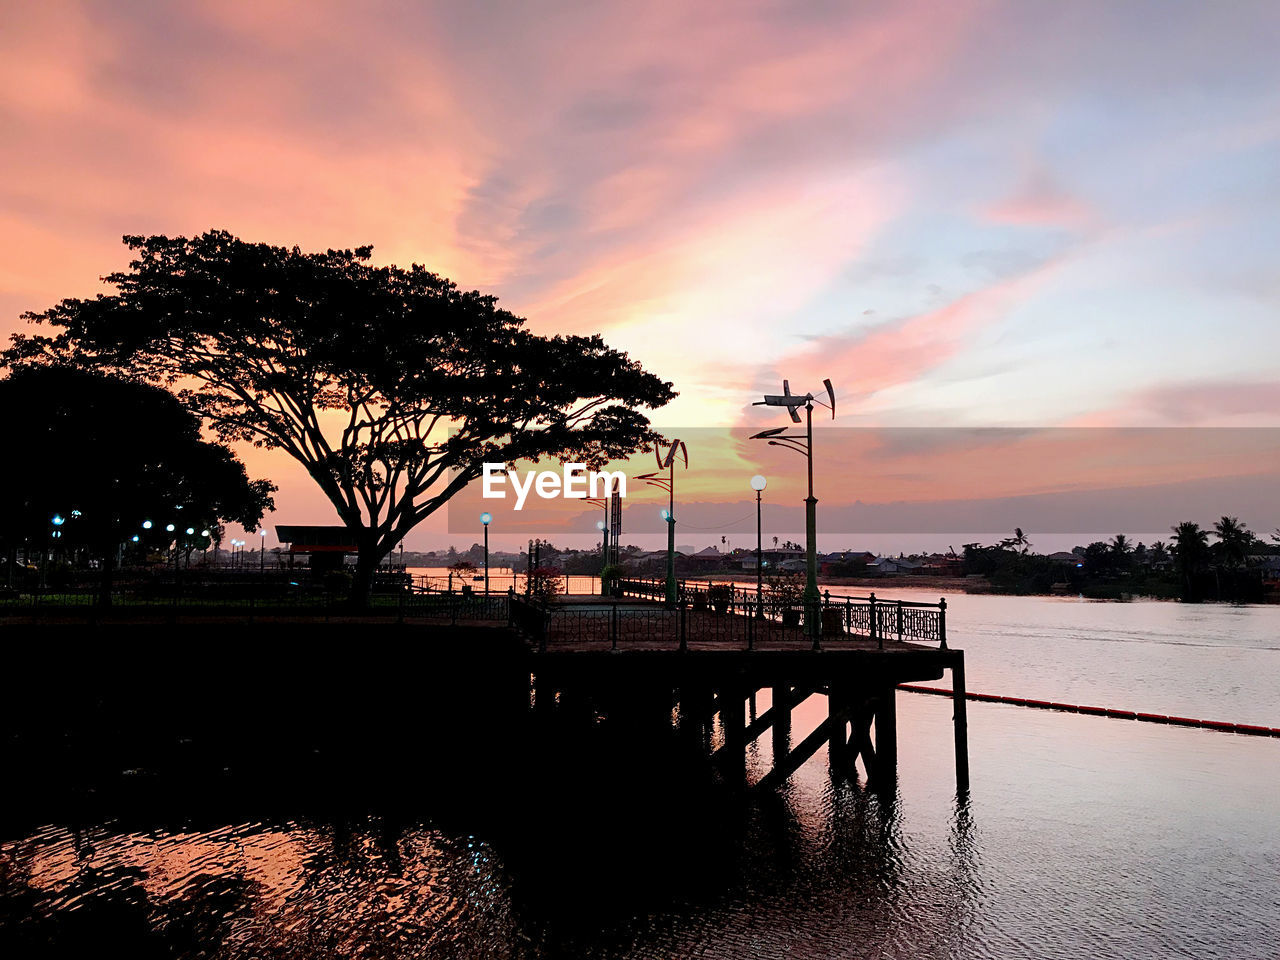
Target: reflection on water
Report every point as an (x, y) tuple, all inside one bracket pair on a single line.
[(377, 889), (1084, 837)]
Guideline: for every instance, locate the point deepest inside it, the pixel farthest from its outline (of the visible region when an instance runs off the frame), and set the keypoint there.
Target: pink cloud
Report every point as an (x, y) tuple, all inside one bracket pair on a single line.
[(1039, 200), (1245, 403), (900, 352)]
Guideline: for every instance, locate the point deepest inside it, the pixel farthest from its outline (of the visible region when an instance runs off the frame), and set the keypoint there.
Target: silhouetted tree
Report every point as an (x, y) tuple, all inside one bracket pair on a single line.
[(1234, 540), (1191, 551), (356, 371), (1099, 559), (111, 453), (1017, 542), (1121, 553), (1159, 553)]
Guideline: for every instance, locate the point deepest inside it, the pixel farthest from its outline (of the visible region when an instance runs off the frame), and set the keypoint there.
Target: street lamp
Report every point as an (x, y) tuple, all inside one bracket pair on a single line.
[(262, 552), (802, 443), (486, 518), (668, 483), (758, 483)]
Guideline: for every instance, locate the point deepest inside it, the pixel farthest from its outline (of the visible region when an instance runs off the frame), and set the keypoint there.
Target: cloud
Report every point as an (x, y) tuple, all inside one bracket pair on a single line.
[(899, 352), (1223, 403), (1041, 201)]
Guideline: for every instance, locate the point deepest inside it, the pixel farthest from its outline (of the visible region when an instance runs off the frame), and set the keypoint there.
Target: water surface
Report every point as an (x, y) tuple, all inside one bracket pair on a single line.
[(1082, 836)]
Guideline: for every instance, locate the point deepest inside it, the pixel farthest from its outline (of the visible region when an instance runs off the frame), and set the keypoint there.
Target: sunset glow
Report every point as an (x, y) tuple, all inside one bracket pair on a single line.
[(968, 214)]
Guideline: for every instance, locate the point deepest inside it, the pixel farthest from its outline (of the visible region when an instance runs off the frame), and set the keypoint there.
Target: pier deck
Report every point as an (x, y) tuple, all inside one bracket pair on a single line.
[(693, 669)]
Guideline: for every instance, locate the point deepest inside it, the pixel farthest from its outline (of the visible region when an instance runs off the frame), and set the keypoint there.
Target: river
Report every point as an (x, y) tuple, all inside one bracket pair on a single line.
[(1082, 836)]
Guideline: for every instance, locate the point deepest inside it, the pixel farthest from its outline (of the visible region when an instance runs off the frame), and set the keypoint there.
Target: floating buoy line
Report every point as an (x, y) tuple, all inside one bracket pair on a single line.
[(1226, 726)]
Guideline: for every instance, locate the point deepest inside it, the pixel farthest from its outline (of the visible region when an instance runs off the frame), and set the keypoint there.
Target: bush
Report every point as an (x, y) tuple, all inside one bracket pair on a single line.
[(785, 589), (609, 578), (337, 581), (720, 595), (543, 584)]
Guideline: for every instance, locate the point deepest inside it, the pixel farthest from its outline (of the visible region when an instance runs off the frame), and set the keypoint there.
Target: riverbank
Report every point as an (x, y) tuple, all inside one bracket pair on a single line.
[(975, 585)]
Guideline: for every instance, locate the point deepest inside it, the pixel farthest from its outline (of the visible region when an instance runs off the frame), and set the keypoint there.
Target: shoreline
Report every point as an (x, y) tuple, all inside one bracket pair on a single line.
[(974, 586)]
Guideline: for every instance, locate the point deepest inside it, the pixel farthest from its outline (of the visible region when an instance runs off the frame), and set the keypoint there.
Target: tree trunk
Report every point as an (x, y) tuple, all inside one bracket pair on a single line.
[(371, 553)]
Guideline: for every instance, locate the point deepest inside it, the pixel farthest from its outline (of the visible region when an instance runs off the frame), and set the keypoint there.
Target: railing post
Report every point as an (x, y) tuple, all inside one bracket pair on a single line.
[(684, 627), (848, 617), (613, 627), (942, 623), (875, 624), (899, 621)]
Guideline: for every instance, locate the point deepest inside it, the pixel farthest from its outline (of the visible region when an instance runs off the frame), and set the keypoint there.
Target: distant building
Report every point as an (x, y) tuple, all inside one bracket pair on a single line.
[(886, 565), (1067, 559)]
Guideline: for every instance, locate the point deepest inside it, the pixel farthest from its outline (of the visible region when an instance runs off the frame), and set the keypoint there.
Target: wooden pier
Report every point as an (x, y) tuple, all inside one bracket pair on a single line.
[(678, 670)]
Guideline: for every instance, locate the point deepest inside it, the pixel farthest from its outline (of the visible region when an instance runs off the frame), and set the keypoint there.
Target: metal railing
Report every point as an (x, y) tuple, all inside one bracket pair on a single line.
[(865, 617), (174, 598)]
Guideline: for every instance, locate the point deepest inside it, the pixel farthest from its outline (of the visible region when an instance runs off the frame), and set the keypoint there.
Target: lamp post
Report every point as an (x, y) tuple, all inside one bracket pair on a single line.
[(758, 484), (803, 444), (170, 528), (604, 551), (486, 518), (668, 483), (262, 552), (55, 534)]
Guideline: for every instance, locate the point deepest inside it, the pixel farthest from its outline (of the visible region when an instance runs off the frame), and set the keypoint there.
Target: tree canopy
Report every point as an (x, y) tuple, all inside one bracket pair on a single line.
[(104, 455), (390, 385)]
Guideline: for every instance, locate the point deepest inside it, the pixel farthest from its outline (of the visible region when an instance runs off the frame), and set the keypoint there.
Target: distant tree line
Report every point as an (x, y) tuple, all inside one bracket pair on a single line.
[(1234, 566)]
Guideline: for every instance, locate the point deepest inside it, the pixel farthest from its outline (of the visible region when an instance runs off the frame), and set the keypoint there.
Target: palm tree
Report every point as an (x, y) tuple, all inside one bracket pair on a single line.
[(1017, 542), (775, 543), (1191, 550), (1159, 553), (1234, 539), (1120, 545)]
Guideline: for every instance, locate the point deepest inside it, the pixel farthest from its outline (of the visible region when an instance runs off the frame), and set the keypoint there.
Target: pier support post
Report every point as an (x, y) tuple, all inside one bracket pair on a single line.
[(544, 696), (781, 722), (838, 717), (961, 719), (733, 722), (887, 734)]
